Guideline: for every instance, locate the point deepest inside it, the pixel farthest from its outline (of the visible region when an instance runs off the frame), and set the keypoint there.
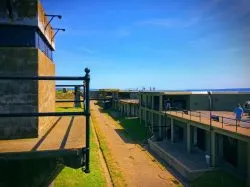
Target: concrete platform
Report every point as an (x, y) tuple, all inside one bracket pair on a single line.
[(190, 166), (64, 135), (228, 124)]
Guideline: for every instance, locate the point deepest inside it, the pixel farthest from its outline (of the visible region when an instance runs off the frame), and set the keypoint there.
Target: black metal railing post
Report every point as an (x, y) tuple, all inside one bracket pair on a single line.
[(84, 96), (87, 111)]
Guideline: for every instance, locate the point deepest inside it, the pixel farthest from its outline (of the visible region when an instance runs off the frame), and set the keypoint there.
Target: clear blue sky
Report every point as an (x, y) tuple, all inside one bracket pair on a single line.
[(166, 44)]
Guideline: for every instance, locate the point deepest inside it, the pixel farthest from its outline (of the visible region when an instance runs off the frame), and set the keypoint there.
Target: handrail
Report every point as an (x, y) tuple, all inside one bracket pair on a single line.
[(85, 112), (50, 78), (218, 118)]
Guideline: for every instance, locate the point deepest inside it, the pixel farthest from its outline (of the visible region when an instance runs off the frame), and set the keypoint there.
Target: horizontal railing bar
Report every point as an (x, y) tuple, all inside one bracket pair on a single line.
[(68, 101), (43, 114), (203, 115), (69, 85), (41, 78)]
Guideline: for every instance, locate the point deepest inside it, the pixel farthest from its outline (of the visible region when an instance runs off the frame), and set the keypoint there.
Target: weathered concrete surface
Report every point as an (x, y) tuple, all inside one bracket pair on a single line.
[(19, 12), (65, 133), (25, 96), (46, 89), (190, 166), (28, 13), (18, 96), (221, 102)]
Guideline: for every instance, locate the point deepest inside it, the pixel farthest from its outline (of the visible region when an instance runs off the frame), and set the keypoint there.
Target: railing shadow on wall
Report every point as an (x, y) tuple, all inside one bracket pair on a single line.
[(85, 112)]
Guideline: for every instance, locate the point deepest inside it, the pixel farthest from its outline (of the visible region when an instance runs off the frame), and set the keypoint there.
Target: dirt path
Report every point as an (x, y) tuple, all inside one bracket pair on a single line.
[(103, 164), (138, 168)]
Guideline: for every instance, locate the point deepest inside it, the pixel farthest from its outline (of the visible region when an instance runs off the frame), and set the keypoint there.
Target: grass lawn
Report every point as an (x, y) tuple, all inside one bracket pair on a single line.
[(75, 177), (132, 125), (218, 179)]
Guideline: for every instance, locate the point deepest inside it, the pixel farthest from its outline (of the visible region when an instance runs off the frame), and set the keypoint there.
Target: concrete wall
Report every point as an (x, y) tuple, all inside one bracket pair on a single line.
[(199, 102), (221, 102), (25, 96), (26, 12), (19, 12), (18, 96), (229, 102), (46, 90)]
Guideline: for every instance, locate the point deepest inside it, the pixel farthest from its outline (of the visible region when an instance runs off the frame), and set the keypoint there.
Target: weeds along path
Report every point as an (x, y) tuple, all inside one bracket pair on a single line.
[(127, 163)]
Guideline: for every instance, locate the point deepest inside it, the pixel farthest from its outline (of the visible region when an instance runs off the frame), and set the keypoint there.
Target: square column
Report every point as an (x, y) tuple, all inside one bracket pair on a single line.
[(159, 124), (213, 147), (248, 163), (189, 146), (172, 130), (152, 104), (140, 115), (152, 120), (160, 102)]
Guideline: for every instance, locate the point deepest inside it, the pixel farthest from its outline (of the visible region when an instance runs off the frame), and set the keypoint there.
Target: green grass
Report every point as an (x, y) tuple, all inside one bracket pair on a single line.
[(75, 177), (218, 179), (136, 131)]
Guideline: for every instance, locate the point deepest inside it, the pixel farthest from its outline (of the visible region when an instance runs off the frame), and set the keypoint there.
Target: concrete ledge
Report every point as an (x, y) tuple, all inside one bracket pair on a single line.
[(176, 164)]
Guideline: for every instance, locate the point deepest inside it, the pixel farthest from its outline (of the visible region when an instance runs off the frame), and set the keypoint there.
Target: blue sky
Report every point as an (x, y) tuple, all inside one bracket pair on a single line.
[(166, 44)]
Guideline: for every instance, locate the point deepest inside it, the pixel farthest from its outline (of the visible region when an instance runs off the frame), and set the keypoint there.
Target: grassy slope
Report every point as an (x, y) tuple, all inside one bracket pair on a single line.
[(76, 178), (211, 179), (133, 127), (218, 179)]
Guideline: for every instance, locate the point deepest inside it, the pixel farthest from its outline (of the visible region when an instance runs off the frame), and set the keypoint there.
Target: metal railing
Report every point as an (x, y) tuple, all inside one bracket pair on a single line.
[(200, 116), (85, 112)]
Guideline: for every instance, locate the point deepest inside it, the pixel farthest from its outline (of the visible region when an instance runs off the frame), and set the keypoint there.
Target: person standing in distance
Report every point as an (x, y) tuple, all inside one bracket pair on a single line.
[(238, 114)]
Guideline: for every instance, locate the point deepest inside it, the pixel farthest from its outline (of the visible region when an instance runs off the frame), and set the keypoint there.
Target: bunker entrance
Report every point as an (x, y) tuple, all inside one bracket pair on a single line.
[(201, 139), (230, 150), (179, 134)]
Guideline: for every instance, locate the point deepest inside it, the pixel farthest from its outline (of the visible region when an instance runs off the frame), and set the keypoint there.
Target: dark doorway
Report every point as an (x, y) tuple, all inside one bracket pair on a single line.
[(201, 139), (179, 133), (156, 102), (230, 150)]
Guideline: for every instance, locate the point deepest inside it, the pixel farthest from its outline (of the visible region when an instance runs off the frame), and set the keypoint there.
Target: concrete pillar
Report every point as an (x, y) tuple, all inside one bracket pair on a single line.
[(195, 136), (152, 102), (248, 163), (189, 146), (160, 102), (140, 115), (213, 147), (159, 124), (77, 96), (152, 120), (160, 109), (172, 130)]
